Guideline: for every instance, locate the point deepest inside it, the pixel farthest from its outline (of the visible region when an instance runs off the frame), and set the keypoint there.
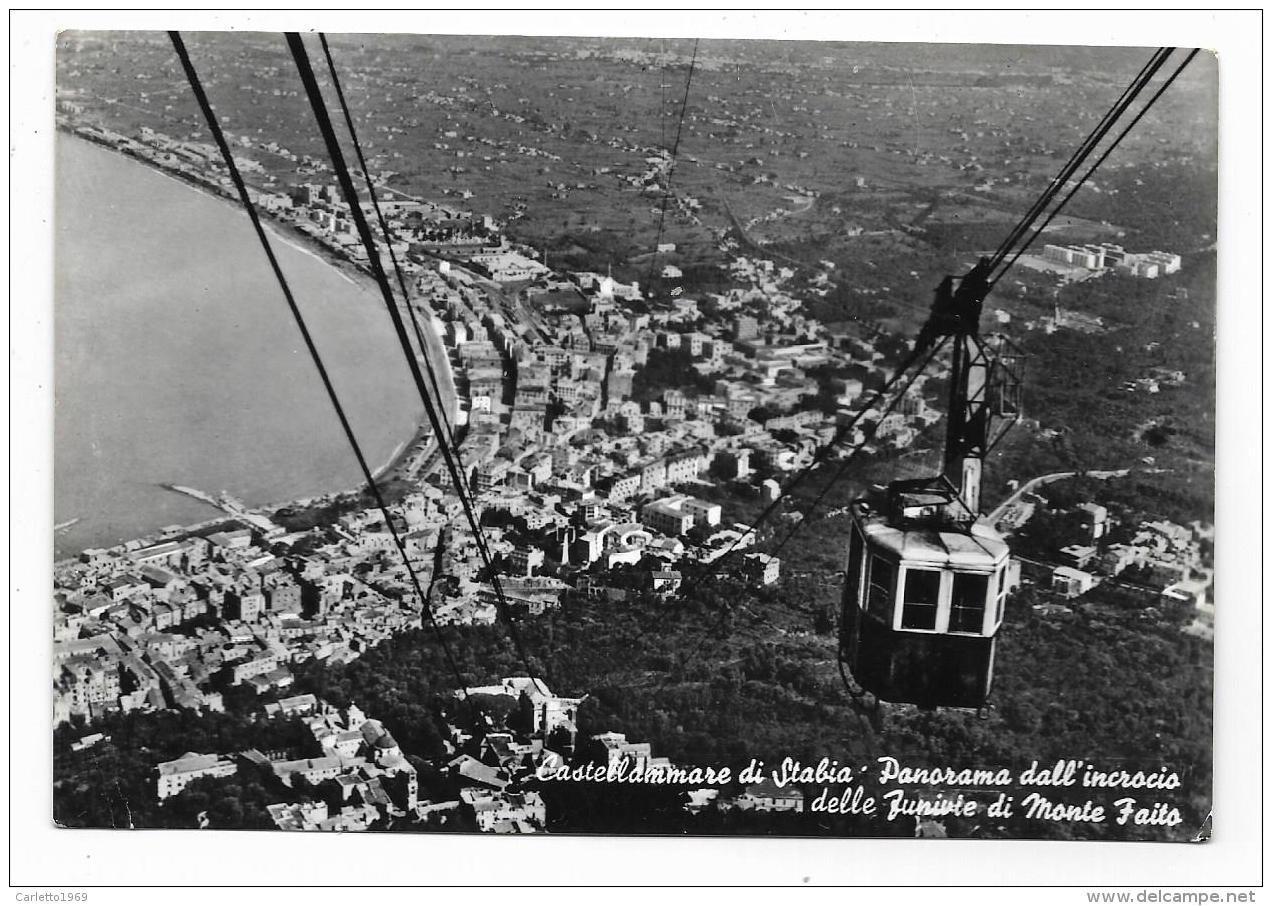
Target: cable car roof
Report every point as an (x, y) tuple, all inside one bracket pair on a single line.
[(978, 548)]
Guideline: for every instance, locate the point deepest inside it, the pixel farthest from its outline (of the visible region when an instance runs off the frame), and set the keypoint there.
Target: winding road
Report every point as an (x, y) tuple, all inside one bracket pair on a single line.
[(997, 513)]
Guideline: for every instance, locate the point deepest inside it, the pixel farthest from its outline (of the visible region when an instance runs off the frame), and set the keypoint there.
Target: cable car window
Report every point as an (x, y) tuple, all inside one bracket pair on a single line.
[(967, 603), (882, 575), (922, 596), (1002, 595), (852, 578)]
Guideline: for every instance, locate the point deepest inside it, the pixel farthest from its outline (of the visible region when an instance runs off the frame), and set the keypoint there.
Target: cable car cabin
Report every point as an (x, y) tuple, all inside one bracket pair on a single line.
[(923, 597)]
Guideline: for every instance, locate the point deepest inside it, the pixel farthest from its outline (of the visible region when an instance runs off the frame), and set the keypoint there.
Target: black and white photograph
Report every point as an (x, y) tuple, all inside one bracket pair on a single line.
[(461, 434)]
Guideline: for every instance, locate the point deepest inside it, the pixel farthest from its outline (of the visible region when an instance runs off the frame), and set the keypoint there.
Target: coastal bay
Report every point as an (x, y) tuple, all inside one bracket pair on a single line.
[(177, 361)]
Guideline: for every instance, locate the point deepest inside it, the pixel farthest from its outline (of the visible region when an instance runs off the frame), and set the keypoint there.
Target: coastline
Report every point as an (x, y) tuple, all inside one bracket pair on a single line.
[(347, 269)]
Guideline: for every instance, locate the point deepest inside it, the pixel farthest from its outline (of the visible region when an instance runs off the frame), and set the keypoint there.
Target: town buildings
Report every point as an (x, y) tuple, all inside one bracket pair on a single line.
[(577, 463), (1107, 256)]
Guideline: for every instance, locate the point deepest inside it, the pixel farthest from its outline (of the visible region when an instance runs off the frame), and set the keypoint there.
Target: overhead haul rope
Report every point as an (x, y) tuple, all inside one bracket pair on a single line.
[(927, 355), (388, 240), (1080, 154), (1151, 68), (316, 101), (675, 149), (218, 136), (1110, 119), (662, 94), (820, 456), (843, 466), (1107, 151), (1146, 73)]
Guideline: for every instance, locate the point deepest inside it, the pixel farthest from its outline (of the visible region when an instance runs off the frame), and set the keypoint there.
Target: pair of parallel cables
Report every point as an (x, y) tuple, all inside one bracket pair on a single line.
[(434, 410), (1012, 246), (1017, 241)]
